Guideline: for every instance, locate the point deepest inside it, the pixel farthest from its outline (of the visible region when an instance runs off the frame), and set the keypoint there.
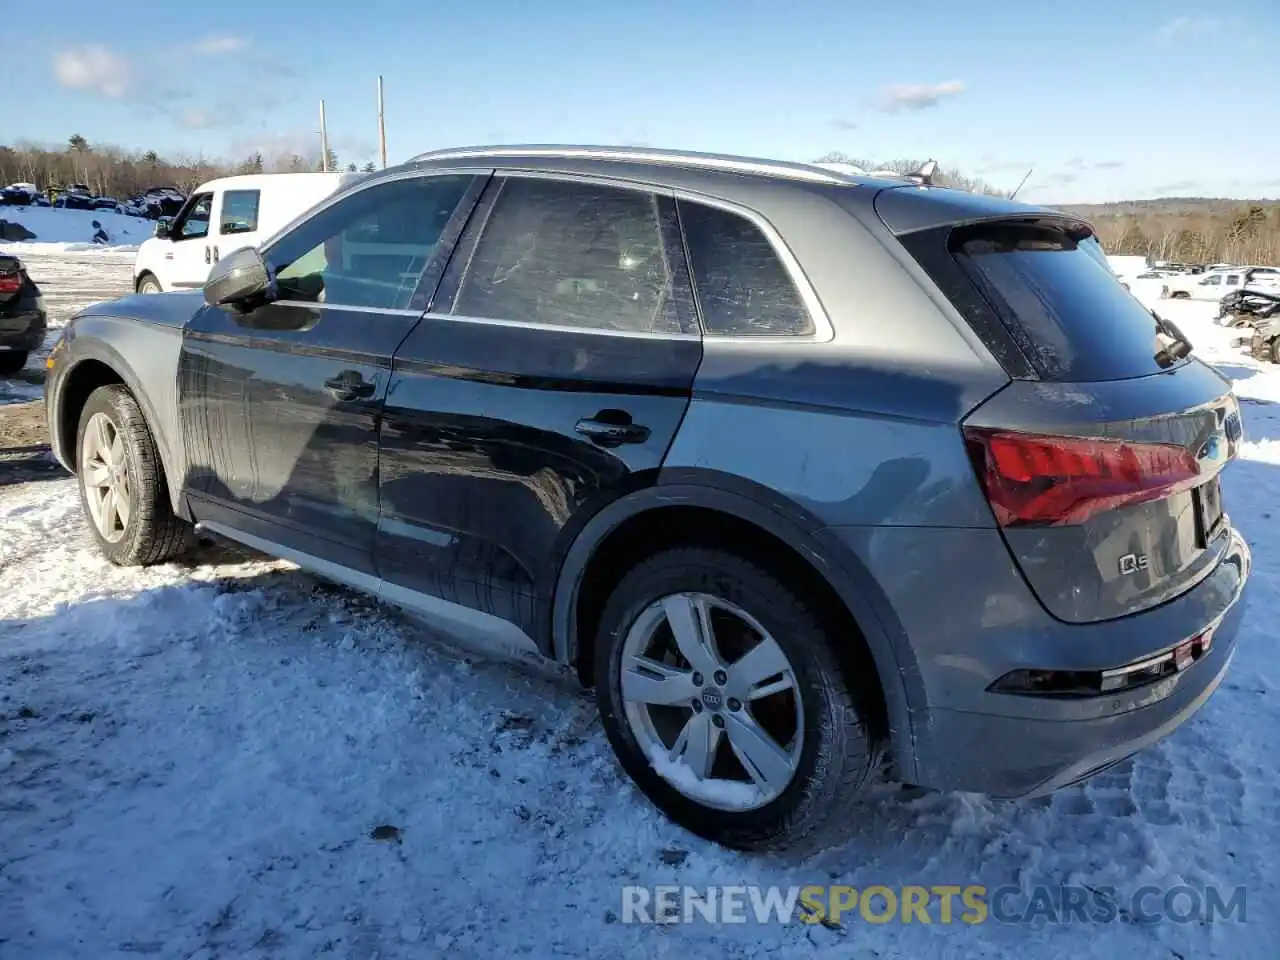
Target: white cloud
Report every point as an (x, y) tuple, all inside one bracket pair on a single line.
[(220, 43), (919, 96), (1182, 27), (198, 119), (93, 69)]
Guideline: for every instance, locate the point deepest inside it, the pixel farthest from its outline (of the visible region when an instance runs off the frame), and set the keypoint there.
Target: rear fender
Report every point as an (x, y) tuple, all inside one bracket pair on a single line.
[(843, 571)]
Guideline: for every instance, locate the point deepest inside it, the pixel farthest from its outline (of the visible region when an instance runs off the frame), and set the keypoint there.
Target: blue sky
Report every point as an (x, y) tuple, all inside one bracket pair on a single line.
[(1122, 99)]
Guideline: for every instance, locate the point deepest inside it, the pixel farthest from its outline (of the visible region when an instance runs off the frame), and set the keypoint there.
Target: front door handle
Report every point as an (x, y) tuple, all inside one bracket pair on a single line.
[(207, 257), (349, 385), (215, 253), (611, 432)]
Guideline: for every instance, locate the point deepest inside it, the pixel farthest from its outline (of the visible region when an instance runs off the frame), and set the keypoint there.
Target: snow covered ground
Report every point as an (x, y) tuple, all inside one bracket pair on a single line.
[(59, 230), (227, 759)]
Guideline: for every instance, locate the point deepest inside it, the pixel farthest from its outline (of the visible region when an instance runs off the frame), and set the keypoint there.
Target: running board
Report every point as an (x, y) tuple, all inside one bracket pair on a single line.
[(472, 627)]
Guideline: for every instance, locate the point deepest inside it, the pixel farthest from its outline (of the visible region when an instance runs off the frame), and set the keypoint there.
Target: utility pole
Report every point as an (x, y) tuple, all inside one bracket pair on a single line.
[(324, 141), (382, 126)]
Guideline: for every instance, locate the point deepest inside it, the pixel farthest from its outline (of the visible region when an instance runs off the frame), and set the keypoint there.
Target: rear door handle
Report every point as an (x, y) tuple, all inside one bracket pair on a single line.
[(605, 434), (349, 385)]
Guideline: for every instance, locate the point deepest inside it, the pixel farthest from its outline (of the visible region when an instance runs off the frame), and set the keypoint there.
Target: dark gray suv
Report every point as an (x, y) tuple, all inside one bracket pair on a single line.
[(806, 473)]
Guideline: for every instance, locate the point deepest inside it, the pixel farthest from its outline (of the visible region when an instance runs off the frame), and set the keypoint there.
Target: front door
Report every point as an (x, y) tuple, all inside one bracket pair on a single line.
[(280, 406), (548, 379), (190, 254)]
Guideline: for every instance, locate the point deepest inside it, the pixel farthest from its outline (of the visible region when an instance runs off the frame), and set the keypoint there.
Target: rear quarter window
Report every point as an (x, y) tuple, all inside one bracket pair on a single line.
[(742, 287), (1058, 299)]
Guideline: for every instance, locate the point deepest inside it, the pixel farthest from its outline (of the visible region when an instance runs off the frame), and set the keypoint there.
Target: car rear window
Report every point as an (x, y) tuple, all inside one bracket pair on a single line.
[(1050, 286)]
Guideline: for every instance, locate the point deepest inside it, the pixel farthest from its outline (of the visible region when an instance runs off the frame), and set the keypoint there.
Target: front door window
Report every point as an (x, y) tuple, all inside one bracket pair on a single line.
[(193, 223)]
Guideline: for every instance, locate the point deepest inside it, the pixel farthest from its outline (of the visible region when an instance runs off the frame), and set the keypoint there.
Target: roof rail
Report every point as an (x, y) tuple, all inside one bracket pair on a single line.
[(682, 158)]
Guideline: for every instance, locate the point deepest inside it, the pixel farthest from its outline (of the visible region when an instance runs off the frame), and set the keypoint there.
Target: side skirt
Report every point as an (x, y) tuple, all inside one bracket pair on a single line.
[(472, 628)]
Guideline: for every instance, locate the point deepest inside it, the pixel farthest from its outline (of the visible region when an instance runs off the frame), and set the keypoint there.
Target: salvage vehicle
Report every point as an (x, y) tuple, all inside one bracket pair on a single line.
[(809, 475), (23, 318), (1245, 307), (222, 216)]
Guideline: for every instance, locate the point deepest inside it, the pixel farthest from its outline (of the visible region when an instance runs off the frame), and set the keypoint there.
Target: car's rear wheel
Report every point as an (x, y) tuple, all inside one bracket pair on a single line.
[(149, 284), (720, 692), (122, 485), (11, 361)]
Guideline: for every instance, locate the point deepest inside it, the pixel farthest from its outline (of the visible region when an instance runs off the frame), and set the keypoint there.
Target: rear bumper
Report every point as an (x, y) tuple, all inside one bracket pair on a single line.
[(1028, 746), (959, 616), (23, 328)]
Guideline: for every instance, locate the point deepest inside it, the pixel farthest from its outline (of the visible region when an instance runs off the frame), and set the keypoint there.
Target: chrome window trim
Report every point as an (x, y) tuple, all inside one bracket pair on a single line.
[(308, 305), (563, 328)]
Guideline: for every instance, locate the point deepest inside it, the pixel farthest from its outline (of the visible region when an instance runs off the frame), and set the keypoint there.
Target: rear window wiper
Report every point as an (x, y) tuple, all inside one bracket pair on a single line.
[(1171, 342)]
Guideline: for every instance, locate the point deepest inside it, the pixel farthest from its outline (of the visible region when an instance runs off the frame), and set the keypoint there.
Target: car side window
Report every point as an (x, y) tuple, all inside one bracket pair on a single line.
[(742, 287), (571, 254), (369, 249), (239, 212), (193, 223), (1212, 281)]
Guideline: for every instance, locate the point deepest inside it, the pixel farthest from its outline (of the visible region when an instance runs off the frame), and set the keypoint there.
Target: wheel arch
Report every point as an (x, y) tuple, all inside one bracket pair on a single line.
[(735, 501), (94, 363)]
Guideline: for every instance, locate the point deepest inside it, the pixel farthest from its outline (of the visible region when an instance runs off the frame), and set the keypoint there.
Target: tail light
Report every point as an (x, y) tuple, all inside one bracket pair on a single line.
[(1037, 480), (10, 283)]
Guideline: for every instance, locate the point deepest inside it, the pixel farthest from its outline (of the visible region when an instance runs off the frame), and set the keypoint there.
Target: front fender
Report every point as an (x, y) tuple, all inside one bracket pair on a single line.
[(842, 569), (145, 357)]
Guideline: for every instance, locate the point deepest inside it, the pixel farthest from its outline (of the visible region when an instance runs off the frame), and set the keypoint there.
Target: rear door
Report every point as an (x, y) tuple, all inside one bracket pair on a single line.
[(1101, 458), (280, 406), (549, 378)]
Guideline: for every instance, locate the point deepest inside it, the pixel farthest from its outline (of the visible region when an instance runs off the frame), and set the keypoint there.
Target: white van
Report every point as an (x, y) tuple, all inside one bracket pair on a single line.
[(224, 215)]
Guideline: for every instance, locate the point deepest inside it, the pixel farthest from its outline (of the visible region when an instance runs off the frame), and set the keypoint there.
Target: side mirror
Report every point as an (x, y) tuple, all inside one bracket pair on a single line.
[(162, 227), (237, 279)]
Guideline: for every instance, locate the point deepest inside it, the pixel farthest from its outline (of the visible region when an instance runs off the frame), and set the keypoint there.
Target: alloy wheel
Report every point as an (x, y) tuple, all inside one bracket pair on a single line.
[(104, 471), (712, 701)]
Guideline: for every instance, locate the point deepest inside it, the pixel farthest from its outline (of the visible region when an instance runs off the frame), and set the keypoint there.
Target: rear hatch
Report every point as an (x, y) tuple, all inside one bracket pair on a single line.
[(1101, 459)]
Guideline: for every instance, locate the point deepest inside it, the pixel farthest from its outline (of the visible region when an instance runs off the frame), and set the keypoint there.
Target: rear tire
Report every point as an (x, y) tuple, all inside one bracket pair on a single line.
[(122, 485), (11, 361), (1273, 350), (831, 751)]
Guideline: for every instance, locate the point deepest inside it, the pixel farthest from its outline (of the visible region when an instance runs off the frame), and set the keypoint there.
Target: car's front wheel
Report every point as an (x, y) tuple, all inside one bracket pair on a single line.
[(122, 486), (721, 693), (149, 284)]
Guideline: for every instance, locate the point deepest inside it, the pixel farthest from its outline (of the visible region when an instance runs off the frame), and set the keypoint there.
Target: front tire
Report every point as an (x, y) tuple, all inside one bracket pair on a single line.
[(11, 361), (122, 486), (721, 694), (149, 284)]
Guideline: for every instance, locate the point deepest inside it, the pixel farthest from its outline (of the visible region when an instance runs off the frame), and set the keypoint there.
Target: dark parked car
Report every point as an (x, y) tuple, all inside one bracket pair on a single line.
[(75, 201), (15, 197), (23, 322), (806, 473)]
